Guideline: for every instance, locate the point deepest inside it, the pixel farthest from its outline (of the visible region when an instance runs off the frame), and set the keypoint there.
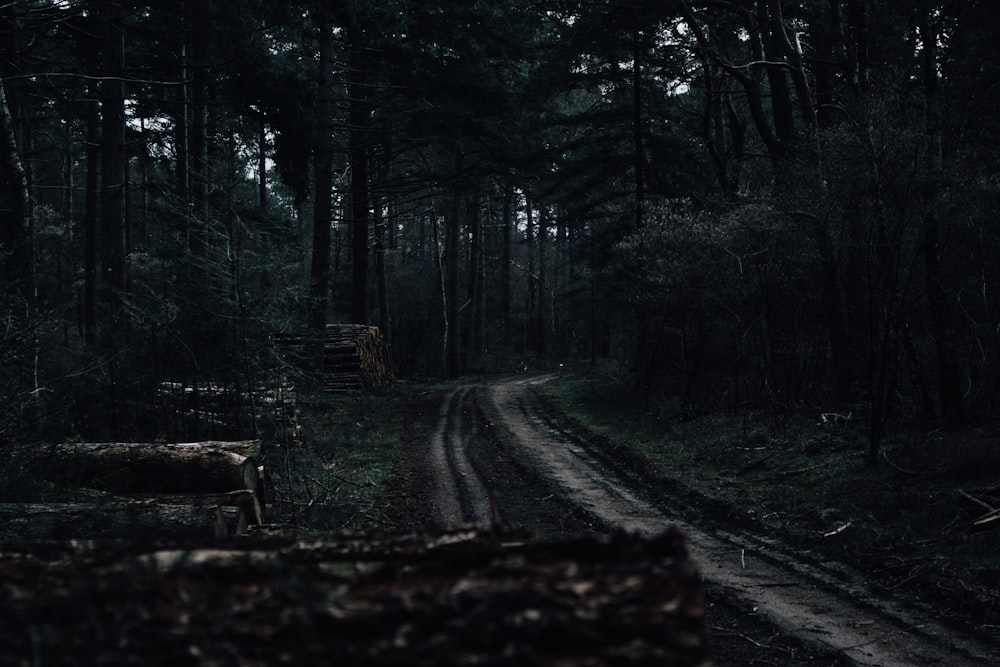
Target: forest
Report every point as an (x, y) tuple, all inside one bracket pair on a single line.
[(738, 205)]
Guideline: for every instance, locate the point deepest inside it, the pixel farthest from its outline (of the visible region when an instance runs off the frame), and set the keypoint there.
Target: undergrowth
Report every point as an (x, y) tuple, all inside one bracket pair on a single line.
[(334, 478), (906, 522)]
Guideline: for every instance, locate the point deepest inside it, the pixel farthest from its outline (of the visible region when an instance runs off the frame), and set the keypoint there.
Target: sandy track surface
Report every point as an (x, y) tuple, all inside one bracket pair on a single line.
[(497, 453)]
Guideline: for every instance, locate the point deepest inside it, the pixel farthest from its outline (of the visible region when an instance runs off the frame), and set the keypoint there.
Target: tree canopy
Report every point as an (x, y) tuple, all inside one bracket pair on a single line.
[(742, 204)]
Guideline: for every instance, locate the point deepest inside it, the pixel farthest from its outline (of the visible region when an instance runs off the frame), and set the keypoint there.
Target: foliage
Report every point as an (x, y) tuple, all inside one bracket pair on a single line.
[(807, 480), (336, 478), (524, 166)]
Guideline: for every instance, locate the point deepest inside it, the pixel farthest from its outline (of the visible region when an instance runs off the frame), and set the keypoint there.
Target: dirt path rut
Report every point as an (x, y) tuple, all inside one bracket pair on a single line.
[(550, 478), (458, 494)]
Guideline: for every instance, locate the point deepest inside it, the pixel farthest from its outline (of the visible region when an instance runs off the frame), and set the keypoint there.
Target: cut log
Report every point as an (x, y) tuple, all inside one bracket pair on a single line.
[(130, 519), (149, 468), (355, 358), (486, 599)]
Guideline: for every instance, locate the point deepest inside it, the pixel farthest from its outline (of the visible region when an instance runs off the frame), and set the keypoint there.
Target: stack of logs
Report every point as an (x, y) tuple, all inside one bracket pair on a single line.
[(355, 357), (145, 490)]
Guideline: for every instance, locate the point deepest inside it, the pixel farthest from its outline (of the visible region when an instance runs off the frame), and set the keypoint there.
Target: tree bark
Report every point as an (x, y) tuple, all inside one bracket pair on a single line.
[(453, 344), (639, 152), (319, 268), (507, 225), (382, 223), (541, 340), (941, 308), (200, 25), (857, 59), (475, 286), (113, 218), (178, 517), (358, 94), (14, 251), (182, 177), (91, 221), (529, 244), (262, 164), (781, 102), (197, 467), (380, 270)]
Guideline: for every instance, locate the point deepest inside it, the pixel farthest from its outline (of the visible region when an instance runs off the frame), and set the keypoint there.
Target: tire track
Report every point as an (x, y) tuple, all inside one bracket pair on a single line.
[(836, 612), (570, 467), (458, 494)]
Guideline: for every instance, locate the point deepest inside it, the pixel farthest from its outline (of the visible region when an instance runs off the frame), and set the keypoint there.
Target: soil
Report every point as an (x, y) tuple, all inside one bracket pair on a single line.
[(498, 453)]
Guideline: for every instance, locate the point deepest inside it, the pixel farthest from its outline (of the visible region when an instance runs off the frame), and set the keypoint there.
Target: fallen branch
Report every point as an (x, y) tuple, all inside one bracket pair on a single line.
[(837, 531), (985, 505), (986, 522), (899, 469), (367, 484), (789, 473)]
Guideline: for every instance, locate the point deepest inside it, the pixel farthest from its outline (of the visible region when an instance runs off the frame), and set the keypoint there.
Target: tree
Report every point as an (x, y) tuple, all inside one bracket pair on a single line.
[(113, 177), (14, 217), (357, 92), (941, 310), (323, 168)]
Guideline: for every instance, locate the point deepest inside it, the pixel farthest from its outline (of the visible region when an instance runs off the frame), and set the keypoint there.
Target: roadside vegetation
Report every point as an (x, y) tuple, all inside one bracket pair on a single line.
[(336, 476), (906, 523)]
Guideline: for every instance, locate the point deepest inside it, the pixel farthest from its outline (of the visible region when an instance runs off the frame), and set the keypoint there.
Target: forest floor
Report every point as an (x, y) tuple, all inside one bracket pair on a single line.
[(530, 520), (501, 453)]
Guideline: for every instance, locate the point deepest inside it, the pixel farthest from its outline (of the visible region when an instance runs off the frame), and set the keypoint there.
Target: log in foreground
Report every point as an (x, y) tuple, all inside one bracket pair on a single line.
[(460, 598), (131, 467), (178, 517)]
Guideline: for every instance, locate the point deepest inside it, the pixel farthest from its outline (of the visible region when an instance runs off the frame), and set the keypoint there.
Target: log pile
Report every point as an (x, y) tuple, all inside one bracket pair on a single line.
[(145, 490), (355, 357), (457, 598), (211, 410)]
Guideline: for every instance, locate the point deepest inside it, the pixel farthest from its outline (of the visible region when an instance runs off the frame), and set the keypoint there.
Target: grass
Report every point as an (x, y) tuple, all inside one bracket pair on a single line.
[(336, 478), (904, 522)]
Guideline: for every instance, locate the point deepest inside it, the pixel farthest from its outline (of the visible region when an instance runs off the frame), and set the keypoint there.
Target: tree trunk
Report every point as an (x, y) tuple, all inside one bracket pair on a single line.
[(91, 222), (319, 268), (781, 102), (529, 245), (541, 340), (507, 225), (201, 45), (475, 286), (262, 164), (858, 64), (791, 49), (15, 257), (196, 467), (182, 177), (446, 327), (941, 309), (380, 272), (453, 345), (358, 94), (639, 153), (113, 218), (749, 80)]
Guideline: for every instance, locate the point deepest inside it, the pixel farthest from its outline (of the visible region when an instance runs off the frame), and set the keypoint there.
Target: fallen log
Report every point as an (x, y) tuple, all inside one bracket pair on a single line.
[(181, 517), (487, 599), (149, 468)]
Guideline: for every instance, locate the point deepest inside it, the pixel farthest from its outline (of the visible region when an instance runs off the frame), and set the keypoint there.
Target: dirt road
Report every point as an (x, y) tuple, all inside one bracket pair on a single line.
[(496, 453)]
